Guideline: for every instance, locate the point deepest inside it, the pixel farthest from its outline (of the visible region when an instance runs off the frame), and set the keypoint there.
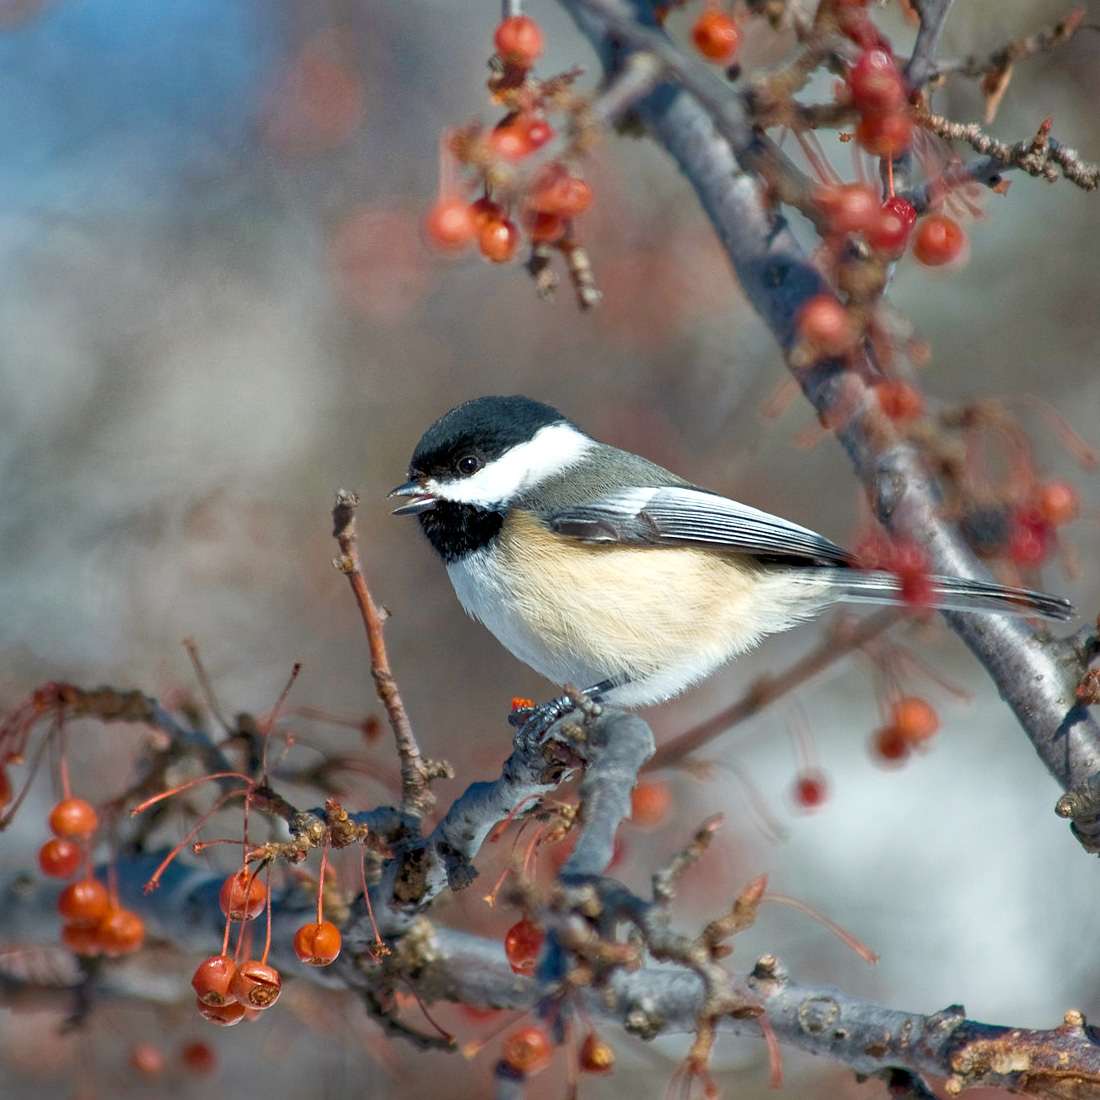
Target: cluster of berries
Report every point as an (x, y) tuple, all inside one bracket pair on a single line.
[(228, 990), (95, 923), (544, 199)]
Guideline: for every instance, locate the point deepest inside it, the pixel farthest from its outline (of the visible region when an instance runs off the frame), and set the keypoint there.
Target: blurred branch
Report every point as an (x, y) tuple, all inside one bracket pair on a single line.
[(1036, 674)]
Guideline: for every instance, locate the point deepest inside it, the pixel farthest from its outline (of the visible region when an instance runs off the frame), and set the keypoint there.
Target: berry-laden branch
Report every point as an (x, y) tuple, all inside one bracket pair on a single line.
[(1036, 674), (416, 772)]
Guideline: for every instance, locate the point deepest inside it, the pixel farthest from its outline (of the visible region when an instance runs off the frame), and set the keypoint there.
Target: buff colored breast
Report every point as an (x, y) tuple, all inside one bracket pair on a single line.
[(654, 608)]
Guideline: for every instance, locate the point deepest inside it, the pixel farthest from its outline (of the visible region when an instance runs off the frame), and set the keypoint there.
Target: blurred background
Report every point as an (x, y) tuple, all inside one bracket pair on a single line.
[(217, 308)]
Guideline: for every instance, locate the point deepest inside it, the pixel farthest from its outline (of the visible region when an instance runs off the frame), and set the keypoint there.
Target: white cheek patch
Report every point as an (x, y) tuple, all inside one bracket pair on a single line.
[(551, 450)]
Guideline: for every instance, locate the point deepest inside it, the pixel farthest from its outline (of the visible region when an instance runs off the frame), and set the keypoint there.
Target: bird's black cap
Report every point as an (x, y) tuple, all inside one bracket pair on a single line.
[(486, 427)]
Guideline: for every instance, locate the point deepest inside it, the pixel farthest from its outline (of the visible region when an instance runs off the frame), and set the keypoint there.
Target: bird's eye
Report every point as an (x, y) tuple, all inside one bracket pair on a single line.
[(469, 465)]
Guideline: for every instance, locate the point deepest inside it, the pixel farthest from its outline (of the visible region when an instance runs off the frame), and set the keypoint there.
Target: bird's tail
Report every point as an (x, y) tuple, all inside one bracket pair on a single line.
[(951, 594)]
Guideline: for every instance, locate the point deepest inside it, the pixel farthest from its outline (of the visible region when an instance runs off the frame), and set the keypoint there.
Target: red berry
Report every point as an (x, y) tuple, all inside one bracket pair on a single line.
[(519, 137), (519, 703), (449, 225), (120, 932), (914, 719), (885, 134), (527, 1050), (213, 979), (256, 985), (84, 902), (890, 747), (888, 234), (911, 566), (876, 83), (5, 789), (846, 207), (198, 1057), (81, 939), (226, 1014), (823, 326), (903, 208), (595, 1056), (874, 550), (650, 804), (498, 238), (73, 817), (900, 401), (242, 896), (939, 240), (1031, 538), (147, 1060), (810, 791), (544, 227), (554, 190), (522, 944), (59, 857), (518, 40), (317, 944), (485, 210), (716, 36), (1058, 503)]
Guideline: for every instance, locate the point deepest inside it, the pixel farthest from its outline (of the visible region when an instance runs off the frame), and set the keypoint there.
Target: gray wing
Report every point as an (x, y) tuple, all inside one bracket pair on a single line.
[(679, 515)]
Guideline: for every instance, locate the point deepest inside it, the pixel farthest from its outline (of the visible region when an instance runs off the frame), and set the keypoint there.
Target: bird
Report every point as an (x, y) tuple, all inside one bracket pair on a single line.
[(608, 573)]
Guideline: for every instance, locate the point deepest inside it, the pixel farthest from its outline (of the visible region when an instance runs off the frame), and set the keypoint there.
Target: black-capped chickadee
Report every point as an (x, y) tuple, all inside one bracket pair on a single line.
[(603, 570)]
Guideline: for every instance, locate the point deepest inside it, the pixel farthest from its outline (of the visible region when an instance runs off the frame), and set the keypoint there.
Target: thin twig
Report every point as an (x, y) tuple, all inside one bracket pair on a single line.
[(416, 773)]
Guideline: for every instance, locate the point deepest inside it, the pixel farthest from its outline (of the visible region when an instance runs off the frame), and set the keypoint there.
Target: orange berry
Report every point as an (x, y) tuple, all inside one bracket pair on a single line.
[(518, 40), (226, 1014), (823, 326), (498, 239), (876, 83), (73, 817), (914, 719), (888, 233), (242, 896), (900, 400), (527, 1050), (449, 224), (554, 190), (595, 1056), (890, 747), (59, 857), (147, 1060), (650, 804), (519, 137), (716, 36), (198, 1057), (81, 939), (886, 134), (84, 902), (938, 240), (810, 791), (317, 944), (543, 227), (1058, 503), (846, 207), (256, 985), (522, 945), (213, 979), (120, 932)]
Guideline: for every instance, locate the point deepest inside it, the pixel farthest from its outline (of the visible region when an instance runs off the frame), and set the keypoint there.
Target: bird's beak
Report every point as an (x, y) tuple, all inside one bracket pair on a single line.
[(421, 501)]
